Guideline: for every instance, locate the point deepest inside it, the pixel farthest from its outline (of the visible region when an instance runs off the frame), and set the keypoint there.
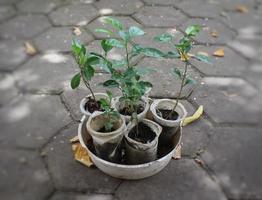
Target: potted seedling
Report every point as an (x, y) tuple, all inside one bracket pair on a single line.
[(167, 112), (86, 63), (107, 130)]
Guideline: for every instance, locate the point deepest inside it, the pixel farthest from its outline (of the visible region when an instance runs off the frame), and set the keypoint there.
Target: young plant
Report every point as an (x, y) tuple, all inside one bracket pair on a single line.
[(181, 51), (85, 62), (111, 116)]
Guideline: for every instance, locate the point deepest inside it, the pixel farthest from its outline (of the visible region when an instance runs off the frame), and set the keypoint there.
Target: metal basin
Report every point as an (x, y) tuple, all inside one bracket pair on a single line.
[(127, 171)]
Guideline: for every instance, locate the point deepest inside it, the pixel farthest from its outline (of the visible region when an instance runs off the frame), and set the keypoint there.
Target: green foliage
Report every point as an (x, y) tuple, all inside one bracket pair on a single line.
[(75, 81), (177, 73), (203, 58), (193, 30), (106, 46), (166, 37), (113, 22), (103, 30), (114, 43), (135, 31)]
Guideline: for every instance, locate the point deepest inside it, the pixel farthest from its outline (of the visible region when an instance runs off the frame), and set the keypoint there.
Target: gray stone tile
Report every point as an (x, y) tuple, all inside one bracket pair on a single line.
[(124, 7), (210, 26), (254, 75), (164, 83), (7, 2), (79, 1), (38, 6), (12, 54), (74, 196), (60, 39), (76, 14), (7, 88), (200, 8), (31, 120), (23, 176), (234, 155), (98, 23), (50, 72), (68, 173), (182, 178), (232, 4), (24, 26), (6, 12), (229, 100), (220, 66), (160, 16), (162, 2)]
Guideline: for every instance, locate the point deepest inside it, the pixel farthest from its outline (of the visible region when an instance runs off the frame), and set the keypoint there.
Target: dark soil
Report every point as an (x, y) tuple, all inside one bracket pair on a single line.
[(128, 111), (92, 105), (165, 114), (103, 130), (144, 134)]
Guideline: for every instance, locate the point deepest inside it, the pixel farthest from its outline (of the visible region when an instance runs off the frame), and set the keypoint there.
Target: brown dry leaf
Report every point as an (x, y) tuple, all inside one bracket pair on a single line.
[(30, 49), (242, 8), (214, 33), (198, 161), (219, 52), (177, 154), (74, 139), (81, 155), (77, 31)]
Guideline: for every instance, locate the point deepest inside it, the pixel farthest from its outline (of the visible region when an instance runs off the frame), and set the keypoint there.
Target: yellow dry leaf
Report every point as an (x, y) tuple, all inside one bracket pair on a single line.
[(214, 33), (81, 155), (74, 139), (219, 53), (77, 31), (194, 117), (184, 57), (242, 8), (30, 49), (177, 153)]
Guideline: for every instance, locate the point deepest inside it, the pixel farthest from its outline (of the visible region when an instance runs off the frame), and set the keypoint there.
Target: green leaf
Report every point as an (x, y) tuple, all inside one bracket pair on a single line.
[(124, 35), (145, 70), (92, 60), (102, 30), (75, 81), (109, 94), (76, 47), (193, 30), (106, 46), (114, 43), (172, 54), (118, 63), (88, 72), (113, 22), (203, 58), (146, 84), (166, 37), (111, 84), (190, 81), (152, 52), (176, 72), (135, 31)]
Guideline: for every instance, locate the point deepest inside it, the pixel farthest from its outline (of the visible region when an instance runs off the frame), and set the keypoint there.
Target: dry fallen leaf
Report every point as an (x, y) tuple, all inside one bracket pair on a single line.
[(30, 49), (242, 8), (194, 117), (214, 33), (198, 161), (77, 31), (74, 139), (177, 154), (81, 155), (219, 53)]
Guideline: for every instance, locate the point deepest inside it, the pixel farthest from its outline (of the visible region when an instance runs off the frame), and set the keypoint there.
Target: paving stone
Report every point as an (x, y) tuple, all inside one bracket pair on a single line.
[(23, 176), (24, 26), (7, 2), (6, 12), (164, 83), (222, 66), (73, 196), (209, 27), (38, 6), (30, 120), (227, 100), (12, 54), (68, 174), (234, 155), (76, 14), (160, 16), (162, 2), (124, 7), (50, 72), (98, 23), (79, 1), (250, 48), (60, 39), (183, 179), (200, 8), (196, 137), (254, 75), (232, 4), (7, 88), (72, 97)]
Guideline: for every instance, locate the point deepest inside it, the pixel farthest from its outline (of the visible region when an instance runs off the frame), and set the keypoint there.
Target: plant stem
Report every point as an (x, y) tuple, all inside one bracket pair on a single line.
[(127, 55), (180, 90), (88, 85)]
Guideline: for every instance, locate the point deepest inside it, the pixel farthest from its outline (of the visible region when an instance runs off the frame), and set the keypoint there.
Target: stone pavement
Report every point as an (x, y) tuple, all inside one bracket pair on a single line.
[(39, 112)]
